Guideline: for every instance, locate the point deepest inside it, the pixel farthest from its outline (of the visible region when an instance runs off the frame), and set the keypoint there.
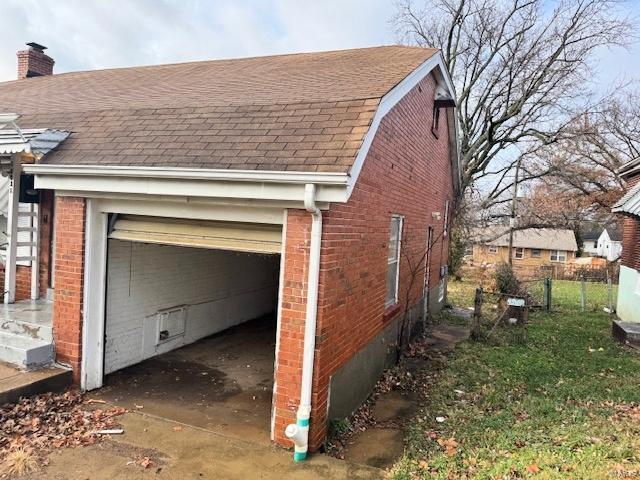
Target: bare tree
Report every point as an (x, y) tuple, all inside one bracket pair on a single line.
[(415, 266), (519, 69), (585, 161)]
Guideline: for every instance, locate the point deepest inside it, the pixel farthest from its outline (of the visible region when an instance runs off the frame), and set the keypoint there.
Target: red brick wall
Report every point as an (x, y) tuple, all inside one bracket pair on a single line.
[(69, 275), (288, 374), (407, 172), (631, 235)]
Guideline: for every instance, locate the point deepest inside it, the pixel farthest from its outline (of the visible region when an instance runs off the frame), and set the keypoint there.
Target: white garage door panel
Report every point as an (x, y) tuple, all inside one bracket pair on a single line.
[(243, 237)]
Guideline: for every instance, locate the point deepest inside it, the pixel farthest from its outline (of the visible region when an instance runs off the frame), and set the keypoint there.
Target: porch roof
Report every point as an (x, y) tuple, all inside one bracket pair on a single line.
[(38, 141), (629, 203)]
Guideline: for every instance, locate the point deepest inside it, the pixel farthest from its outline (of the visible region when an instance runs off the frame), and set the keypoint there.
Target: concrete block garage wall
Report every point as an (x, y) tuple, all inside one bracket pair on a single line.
[(219, 289)]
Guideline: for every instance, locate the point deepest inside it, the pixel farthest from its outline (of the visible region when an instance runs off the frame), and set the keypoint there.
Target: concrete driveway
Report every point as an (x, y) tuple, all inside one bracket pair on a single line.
[(178, 451)]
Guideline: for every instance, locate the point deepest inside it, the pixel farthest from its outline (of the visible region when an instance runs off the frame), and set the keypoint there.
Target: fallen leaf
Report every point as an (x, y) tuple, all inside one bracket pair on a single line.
[(533, 468), (145, 462)]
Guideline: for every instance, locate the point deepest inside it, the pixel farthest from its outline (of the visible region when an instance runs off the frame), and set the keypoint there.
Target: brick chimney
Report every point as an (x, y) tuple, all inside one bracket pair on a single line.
[(34, 62)]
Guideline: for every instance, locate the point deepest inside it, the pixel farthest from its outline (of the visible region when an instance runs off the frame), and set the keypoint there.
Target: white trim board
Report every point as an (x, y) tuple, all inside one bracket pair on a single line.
[(264, 176), (390, 100), (96, 184), (95, 257), (95, 274)]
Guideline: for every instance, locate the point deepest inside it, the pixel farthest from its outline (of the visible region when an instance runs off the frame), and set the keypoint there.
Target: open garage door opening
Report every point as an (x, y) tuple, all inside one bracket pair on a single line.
[(190, 331)]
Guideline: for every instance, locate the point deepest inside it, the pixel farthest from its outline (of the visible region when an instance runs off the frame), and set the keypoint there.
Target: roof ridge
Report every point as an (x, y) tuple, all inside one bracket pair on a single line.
[(215, 60)]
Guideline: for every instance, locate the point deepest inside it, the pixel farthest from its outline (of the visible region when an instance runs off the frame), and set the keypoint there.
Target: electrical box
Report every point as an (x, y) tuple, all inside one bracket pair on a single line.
[(171, 323)]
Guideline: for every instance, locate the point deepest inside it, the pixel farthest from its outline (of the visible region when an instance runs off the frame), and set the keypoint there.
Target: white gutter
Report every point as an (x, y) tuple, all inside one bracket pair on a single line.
[(299, 432), (328, 178)]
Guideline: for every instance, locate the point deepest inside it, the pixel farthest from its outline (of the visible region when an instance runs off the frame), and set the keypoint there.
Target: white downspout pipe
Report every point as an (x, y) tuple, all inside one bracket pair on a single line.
[(299, 432)]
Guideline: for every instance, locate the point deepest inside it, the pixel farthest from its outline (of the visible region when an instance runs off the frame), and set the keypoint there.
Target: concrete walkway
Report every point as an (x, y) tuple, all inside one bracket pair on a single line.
[(178, 451)]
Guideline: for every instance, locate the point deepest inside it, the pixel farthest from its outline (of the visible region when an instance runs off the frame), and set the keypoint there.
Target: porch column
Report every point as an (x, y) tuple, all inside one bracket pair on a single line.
[(12, 234), (290, 342), (69, 276)]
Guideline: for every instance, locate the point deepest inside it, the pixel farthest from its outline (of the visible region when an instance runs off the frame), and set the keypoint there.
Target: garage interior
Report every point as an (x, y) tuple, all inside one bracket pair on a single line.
[(190, 322)]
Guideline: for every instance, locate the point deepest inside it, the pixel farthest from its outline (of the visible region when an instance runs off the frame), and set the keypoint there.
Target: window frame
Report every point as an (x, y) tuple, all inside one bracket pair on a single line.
[(515, 253), (400, 218), (557, 252), (534, 254)]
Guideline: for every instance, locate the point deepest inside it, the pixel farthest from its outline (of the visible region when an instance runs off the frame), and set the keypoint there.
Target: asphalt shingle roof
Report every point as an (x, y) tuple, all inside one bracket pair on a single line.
[(303, 112), (542, 238)]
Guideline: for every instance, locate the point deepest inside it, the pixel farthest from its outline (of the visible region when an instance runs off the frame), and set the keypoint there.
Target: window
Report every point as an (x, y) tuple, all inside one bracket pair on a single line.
[(535, 253), (518, 253), (393, 260), (558, 256), (493, 249)]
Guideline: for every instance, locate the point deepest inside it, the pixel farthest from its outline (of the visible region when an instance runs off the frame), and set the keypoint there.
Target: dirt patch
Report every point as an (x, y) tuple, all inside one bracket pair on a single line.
[(173, 377), (376, 447), (394, 407)]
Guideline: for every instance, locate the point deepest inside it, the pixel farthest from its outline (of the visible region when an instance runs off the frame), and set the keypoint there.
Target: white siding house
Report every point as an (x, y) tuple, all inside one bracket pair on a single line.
[(610, 244)]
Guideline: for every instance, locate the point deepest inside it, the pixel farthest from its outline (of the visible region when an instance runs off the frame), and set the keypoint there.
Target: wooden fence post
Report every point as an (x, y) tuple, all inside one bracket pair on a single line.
[(547, 293), (477, 315)]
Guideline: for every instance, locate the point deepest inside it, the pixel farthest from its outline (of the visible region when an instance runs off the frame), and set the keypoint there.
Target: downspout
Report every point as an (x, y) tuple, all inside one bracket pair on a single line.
[(299, 432)]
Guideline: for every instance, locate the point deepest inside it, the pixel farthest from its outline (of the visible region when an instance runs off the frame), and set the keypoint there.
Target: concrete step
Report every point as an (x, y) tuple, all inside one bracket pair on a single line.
[(15, 383), (626, 331), (37, 331), (25, 352)]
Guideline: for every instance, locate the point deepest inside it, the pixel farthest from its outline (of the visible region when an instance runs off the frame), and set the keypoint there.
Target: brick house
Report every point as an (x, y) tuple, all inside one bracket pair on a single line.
[(175, 201), (628, 207), (533, 249)]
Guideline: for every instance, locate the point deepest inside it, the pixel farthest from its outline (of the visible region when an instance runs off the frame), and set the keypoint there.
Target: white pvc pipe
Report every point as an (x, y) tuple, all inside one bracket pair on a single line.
[(299, 432)]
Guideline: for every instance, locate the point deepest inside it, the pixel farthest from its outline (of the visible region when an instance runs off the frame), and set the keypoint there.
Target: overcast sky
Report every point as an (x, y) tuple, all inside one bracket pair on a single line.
[(91, 34)]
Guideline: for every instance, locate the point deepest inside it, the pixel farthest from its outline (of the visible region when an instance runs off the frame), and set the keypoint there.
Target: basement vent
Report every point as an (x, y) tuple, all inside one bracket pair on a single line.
[(171, 323)]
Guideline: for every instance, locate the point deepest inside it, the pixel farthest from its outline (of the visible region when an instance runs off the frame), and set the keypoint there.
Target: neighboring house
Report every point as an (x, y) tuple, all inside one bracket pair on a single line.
[(589, 238), (532, 247), (628, 306), (167, 203), (610, 243)]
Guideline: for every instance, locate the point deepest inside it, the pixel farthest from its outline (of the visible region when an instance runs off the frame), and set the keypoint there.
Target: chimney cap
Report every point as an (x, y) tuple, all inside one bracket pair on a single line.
[(36, 46)]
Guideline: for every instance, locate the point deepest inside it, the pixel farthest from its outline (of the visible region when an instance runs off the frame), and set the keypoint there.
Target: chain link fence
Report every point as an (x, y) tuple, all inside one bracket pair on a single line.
[(565, 288)]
